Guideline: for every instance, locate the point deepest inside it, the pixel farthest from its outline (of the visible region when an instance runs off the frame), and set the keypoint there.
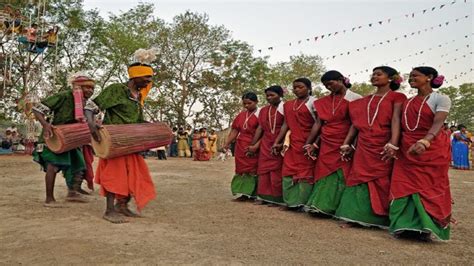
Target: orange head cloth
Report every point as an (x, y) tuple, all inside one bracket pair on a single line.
[(141, 71)]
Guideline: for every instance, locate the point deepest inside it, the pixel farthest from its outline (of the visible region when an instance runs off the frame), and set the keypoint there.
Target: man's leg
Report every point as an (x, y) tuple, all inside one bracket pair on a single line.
[(50, 178), (74, 193), (111, 214), (121, 206)]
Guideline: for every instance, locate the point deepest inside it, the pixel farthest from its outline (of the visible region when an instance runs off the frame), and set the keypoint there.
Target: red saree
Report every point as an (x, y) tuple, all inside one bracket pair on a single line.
[(246, 124), (425, 174), (333, 132), (367, 166), (300, 120), (269, 165)]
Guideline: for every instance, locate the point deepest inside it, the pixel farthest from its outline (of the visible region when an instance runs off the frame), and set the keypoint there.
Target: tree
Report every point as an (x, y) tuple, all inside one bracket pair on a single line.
[(186, 49), (363, 89), (235, 71), (40, 74), (462, 104), (308, 66)]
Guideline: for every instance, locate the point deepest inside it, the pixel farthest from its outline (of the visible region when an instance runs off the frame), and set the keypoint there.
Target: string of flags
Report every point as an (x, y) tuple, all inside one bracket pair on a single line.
[(460, 75), (401, 37), (368, 25), (447, 62), (422, 52)]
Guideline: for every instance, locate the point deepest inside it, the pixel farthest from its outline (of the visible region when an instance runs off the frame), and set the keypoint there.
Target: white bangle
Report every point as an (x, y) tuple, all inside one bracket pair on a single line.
[(391, 146)]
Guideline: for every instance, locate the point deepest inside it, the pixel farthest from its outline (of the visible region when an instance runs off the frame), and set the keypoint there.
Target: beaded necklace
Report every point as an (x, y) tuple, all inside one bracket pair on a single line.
[(299, 106), (419, 112), (247, 117), (272, 127), (371, 122)]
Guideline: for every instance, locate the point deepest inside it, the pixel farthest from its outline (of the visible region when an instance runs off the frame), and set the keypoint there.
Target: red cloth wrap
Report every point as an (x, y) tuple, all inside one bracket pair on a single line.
[(244, 164), (333, 132), (427, 173), (367, 166), (269, 165), (300, 122), (126, 175)]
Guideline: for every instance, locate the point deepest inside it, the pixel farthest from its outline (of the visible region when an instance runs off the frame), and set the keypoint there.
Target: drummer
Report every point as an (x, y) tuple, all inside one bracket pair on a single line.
[(61, 106), (124, 176)]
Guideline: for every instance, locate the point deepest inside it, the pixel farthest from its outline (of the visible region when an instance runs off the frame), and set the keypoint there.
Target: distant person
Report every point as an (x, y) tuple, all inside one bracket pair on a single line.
[(183, 146), (460, 148), (173, 150), (161, 153), (213, 143)]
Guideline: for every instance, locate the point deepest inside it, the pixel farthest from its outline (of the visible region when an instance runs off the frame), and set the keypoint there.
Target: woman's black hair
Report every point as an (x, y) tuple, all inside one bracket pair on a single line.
[(336, 75), (460, 126), (250, 96), (276, 89), (306, 82), (392, 73), (139, 64), (426, 70)]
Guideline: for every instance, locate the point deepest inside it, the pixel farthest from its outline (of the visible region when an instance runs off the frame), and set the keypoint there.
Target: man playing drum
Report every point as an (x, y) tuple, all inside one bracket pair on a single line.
[(66, 107), (128, 175)]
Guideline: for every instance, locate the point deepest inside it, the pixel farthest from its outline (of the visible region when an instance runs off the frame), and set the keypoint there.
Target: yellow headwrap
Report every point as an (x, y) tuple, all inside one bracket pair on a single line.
[(141, 71)]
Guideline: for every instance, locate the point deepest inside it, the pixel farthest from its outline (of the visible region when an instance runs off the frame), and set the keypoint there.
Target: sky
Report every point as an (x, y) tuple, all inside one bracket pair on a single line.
[(276, 24)]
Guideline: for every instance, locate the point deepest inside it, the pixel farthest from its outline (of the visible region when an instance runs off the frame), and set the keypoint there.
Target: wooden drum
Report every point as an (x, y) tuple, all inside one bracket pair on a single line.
[(68, 137), (119, 140)]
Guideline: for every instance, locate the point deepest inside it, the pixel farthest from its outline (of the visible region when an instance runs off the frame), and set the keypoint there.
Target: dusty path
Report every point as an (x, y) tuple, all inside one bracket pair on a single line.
[(193, 220)]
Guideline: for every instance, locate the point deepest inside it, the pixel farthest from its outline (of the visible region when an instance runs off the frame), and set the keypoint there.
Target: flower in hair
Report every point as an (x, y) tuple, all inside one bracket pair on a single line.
[(347, 81), (397, 79), (438, 80)]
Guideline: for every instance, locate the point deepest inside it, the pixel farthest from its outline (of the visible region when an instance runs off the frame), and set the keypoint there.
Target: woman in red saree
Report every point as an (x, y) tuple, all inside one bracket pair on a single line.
[(421, 199), (270, 121), (243, 130), (297, 168), (376, 119), (332, 124)]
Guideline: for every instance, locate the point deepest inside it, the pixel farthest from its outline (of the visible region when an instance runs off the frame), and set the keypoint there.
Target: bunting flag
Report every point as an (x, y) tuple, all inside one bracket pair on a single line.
[(460, 75), (380, 43), (448, 62), (379, 22)]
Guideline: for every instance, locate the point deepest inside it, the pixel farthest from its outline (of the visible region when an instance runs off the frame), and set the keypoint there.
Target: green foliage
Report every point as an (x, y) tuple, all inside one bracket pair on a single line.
[(462, 104), (363, 89)]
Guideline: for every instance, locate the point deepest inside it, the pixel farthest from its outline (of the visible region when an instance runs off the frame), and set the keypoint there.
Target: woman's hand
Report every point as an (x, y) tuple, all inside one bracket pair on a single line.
[(346, 152)]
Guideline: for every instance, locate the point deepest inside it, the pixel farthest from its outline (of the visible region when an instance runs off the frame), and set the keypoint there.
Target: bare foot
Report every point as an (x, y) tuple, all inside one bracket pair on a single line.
[(53, 204), (114, 217), (346, 225), (73, 196), (123, 209), (83, 192), (241, 198), (453, 221)]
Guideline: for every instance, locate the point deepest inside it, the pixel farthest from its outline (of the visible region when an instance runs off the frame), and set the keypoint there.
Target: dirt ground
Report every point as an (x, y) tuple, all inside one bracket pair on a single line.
[(194, 221)]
